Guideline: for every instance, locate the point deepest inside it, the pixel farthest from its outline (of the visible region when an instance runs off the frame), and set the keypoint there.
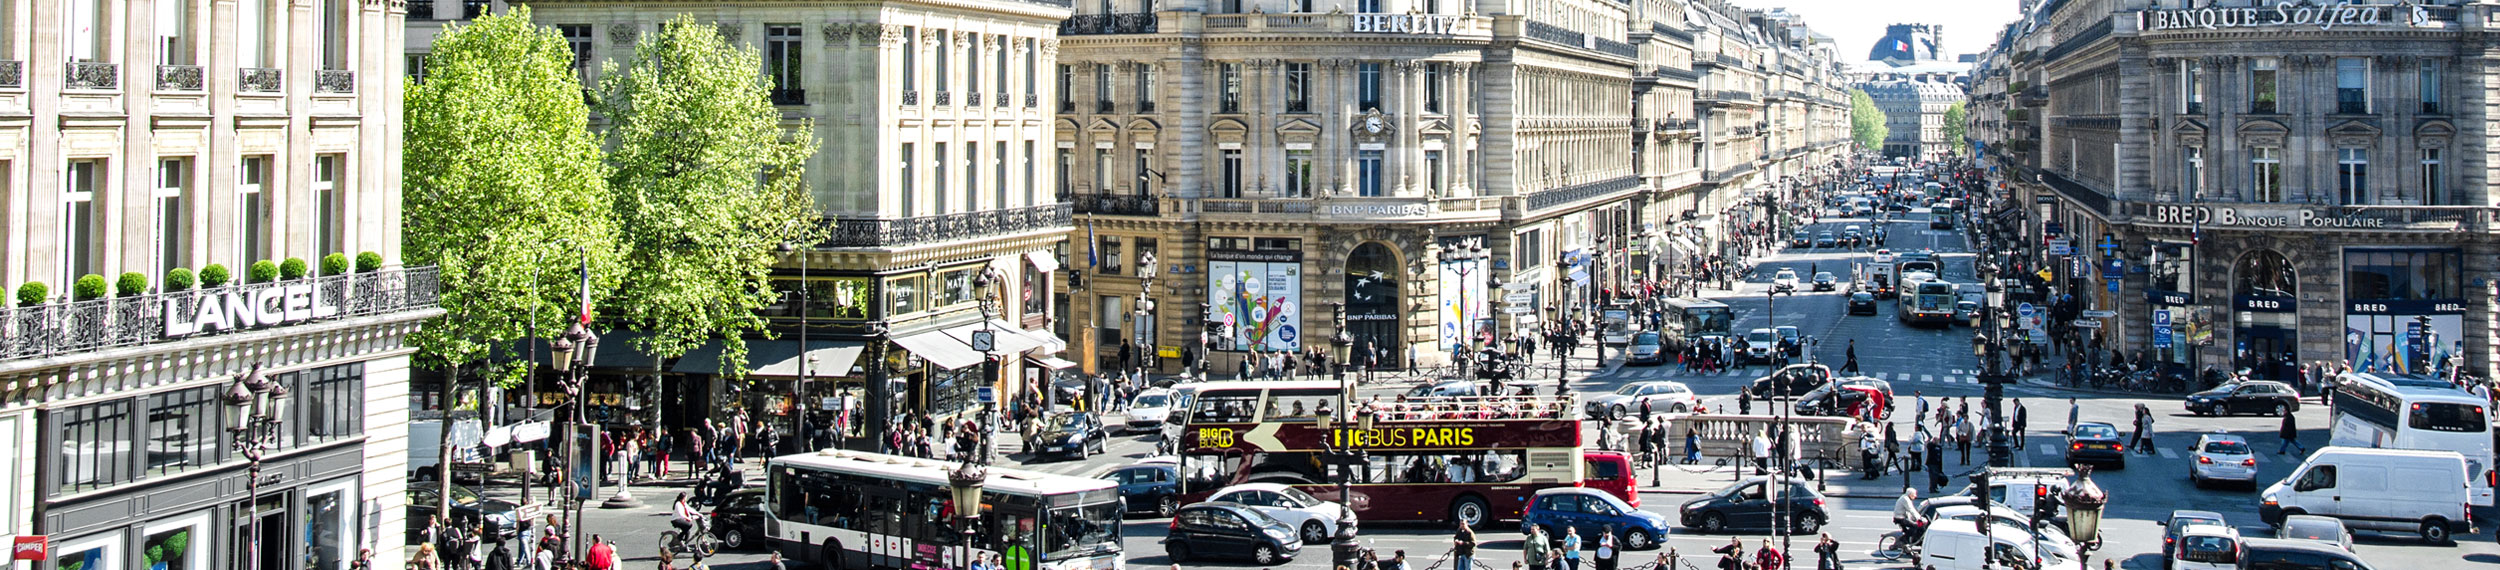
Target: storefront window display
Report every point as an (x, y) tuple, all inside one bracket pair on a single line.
[(2265, 305), (97, 553), (181, 545), (2403, 308), (902, 295), (2170, 291), (328, 531)]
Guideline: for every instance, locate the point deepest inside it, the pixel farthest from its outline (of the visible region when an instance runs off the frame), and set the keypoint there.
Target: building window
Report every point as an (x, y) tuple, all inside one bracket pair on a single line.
[(1232, 173), (2352, 174), (2434, 184), (1102, 88), (173, 32), (333, 23), (1297, 87), (2265, 173), (1067, 79), (1144, 159), (1067, 165), (79, 226), (1434, 76), (578, 37), (182, 430), (1368, 173), (972, 176), (2429, 79), (1371, 6), (1108, 320), (2261, 84), (1102, 170), (1004, 45), (1030, 185), (1367, 85), (2352, 85), (2192, 87), (1228, 76), (2191, 171), (782, 63), (999, 160), (326, 210), (173, 220), (1432, 172), (87, 24), (1145, 88), (95, 446), (904, 179), (416, 67), (911, 65), (1110, 255), (972, 70), (937, 82), (937, 177), (1298, 173), (1145, 252), (1030, 59), (255, 43)]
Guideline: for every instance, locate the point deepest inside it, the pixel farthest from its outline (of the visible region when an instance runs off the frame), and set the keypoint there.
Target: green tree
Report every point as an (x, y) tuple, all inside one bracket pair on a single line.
[(506, 190), (1866, 123), (1957, 127), (711, 182)]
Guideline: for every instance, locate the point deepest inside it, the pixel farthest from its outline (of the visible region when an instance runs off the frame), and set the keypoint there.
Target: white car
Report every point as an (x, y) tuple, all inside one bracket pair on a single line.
[(1662, 396), (2206, 547), (1315, 519), (2222, 457), (2052, 537), (1760, 346), (1148, 410), (1785, 282)]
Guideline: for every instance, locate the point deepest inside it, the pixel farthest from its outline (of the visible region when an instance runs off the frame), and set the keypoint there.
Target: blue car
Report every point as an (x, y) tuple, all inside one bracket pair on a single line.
[(1592, 511), (1149, 487)]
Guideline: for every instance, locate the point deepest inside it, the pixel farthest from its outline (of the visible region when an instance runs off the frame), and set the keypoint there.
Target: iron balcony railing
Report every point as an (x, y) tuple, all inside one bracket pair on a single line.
[(181, 78), (898, 232), (92, 75), (261, 79), (12, 74), (1113, 204), (1098, 24), (1551, 197), (56, 329), (334, 81)]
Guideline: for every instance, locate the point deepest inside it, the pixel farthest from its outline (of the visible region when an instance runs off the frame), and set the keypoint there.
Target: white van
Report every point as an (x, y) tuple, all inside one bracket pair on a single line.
[(2393, 490), (1958, 545)]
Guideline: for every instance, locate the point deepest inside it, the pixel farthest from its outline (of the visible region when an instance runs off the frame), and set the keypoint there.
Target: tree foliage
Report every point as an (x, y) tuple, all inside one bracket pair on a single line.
[(505, 188), (1957, 127), (711, 182), (1866, 123)]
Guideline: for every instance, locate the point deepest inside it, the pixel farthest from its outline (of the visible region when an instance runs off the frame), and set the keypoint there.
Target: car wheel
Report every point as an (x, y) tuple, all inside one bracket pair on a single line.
[(1712, 523), (1807, 524), (2121, 465), (733, 539), (1266, 555), (1615, 413), (1177, 551), (1166, 506), (2282, 409), (1637, 539), (2435, 531), (1469, 510), (1313, 532), (1676, 408)]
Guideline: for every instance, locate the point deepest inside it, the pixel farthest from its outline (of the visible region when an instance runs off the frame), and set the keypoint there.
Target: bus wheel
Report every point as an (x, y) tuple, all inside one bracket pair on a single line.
[(1469, 510), (831, 555)]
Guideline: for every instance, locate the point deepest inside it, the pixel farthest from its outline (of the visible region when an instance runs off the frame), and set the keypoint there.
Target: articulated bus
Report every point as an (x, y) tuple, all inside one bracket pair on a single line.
[(1929, 303), (2409, 411), (1466, 459), (843, 509)]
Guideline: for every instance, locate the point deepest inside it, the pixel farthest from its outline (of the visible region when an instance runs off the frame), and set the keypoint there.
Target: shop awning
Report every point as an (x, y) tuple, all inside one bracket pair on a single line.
[(1043, 261), (616, 350), (940, 349), (776, 358), (1053, 362)]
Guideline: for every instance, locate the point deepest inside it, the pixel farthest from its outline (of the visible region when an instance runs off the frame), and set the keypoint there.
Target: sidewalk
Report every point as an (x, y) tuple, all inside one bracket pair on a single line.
[(1673, 479)]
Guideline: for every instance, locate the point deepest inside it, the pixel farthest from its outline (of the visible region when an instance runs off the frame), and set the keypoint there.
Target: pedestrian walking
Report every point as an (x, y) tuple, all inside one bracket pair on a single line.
[(1463, 546), (1535, 548), (1935, 466), (1606, 550), (1731, 555), (1851, 367), (1761, 447), (1868, 449), (2290, 432), (1692, 447), (1571, 548), (2022, 417), (1962, 432), (2074, 412), (1827, 553)]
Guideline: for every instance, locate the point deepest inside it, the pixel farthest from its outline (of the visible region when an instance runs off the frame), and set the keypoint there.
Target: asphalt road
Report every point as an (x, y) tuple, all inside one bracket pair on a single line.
[(1933, 362)]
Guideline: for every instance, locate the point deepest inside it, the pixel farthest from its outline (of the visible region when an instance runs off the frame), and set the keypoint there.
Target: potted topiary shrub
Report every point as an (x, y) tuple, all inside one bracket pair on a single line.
[(179, 279), (334, 264), (87, 287), (130, 283), (33, 293), (262, 271), (215, 275), (292, 269), (368, 262)]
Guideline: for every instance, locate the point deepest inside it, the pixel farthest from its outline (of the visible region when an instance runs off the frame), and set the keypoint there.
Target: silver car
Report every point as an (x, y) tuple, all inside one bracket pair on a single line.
[(2222, 457), (1662, 396)]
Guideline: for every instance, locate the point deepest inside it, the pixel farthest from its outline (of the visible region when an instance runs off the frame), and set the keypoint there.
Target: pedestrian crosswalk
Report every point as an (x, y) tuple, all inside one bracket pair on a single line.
[(1954, 376)]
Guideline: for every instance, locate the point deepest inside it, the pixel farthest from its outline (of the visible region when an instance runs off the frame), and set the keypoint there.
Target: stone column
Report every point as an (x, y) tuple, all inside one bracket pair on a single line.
[(1500, 138), (1462, 160), (1402, 158)]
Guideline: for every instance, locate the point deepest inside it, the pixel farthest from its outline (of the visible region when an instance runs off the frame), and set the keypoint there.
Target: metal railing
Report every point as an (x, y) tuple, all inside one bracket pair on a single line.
[(12, 74), (334, 81), (181, 78), (92, 75), (1615, 48), (789, 96), (260, 80), (1098, 24), (1728, 95), (896, 232), (1553, 33), (1551, 197), (56, 329), (1114, 204)]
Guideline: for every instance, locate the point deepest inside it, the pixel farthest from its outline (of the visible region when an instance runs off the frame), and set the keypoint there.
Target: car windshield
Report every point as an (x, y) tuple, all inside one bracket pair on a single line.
[(2312, 530), (2096, 431), (1758, 336), (463, 496), (1824, 276), (1631, 389), (1646, 338), (1078, 532), (1151, 401), (1298, 496), (2227, 447), (1786, 274), (1070, 422)]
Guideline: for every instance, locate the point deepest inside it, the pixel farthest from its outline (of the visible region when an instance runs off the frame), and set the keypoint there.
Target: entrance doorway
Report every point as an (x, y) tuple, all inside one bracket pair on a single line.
[(2265, 300), (1372, 287), (270, 551)]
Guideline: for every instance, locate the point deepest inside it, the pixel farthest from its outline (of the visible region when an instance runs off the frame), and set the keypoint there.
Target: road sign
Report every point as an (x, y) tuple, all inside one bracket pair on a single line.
[(1518, 309), (1519, 286), (2161, 329), (2026, 309), (1579, 276), (2099, 314), (2113, 285), (2085, 324), (2061, 247), (1519, 298)]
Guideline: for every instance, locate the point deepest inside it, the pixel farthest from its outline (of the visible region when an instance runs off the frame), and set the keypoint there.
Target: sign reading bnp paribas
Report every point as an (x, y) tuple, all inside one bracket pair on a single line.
[(234, 309), (2286, 15)]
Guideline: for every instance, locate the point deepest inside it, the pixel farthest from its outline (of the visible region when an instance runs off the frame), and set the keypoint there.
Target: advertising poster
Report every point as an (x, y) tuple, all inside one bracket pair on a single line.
[(2400, 343), (1261, 300), (1463, 300)]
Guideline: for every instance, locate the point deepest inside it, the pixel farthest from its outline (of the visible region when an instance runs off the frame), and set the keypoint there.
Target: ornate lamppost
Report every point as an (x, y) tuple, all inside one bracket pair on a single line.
[(573, 354), (1994, 375), (253, 399)]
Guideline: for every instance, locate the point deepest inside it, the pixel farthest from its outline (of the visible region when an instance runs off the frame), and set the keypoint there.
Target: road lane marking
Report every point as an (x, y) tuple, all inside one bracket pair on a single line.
[(1926, 378), (2166, 453)]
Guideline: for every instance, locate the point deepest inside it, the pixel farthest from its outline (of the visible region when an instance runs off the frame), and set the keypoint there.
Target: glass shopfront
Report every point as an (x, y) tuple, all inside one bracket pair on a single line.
[(2404, 308), (2171, 294), (2265, 306)]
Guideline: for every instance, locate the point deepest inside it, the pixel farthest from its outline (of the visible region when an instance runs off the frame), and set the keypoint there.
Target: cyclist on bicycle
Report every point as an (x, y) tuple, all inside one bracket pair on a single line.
[(1905, 514), (685, 518)]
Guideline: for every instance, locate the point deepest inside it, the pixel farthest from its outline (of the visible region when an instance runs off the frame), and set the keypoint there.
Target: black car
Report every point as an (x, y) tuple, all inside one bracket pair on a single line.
[(739, 520), (1825, 281), (1752, 504), (1800, 241), (2279, 554), (2096, 442), (2251, 397), (503, 517), (1153, 487), (1862, 303), (1075, 435), (1796, 379), (1218, 529), (1826, 239)]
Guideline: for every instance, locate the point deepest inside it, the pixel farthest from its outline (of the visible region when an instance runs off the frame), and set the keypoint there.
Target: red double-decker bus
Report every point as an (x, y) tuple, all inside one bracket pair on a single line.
[(1467, 459)]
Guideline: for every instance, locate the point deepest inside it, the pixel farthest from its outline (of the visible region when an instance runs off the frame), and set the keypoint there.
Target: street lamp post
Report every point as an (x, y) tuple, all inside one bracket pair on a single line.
[(1994, 375), (1146, 271), (1343, 340), (798, 389), (254, 399), (966, 480), (573, 354)]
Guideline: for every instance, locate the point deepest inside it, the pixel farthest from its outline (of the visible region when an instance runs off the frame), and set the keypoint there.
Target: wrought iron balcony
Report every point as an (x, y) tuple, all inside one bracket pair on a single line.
[(1555, 34), (1005, 99), (878, 232), (1551, 197), (181, 78), (1099, 24), (420, 9), (334, 81), (1032, 100), (57, 329), (944, 98), (1728, 95), (911, 97), (261, 80), (973, 99), (12, 74), (789, 96), (92, 75), (1110, 204)]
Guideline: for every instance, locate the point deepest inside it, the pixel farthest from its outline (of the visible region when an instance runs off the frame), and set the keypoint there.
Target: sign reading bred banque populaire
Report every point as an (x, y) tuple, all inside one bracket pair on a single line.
[(2285, 15), (2254, 217)]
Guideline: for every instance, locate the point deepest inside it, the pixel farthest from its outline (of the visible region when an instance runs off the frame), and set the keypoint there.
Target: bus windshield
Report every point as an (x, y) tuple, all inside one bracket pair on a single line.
[(2436, 416), (1699, 321), (1078, 532)]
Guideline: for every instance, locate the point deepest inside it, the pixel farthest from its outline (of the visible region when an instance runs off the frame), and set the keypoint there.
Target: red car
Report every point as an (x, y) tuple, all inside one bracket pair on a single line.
[(1612, 472)]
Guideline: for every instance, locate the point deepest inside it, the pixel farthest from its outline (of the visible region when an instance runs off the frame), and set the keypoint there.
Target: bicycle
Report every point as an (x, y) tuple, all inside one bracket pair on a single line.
[(697, 542), (1890, 547)]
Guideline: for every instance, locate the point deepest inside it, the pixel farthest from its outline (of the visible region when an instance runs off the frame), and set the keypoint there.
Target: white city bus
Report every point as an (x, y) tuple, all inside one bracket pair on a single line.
[(2407, 411), (889, 511)]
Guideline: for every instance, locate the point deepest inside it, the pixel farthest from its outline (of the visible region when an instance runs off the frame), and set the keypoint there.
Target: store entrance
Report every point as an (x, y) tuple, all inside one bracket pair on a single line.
[(1372, 288), (271, 548), (2266, 297)]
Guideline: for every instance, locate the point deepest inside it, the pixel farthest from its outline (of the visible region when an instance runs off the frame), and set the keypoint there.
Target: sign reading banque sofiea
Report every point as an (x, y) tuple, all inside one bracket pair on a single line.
[(235, 309), (2285, 15)]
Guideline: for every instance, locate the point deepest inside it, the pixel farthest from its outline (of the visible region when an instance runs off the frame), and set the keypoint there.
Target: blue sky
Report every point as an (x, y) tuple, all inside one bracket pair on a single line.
[(1969, 25)]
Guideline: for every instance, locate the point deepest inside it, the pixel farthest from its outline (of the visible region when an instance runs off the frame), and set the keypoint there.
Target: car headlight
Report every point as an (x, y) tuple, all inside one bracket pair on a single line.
[(1278, 534)]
